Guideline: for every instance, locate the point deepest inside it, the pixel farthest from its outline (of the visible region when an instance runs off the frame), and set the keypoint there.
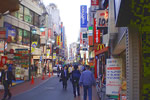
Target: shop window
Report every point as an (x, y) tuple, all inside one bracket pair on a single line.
[(28, 16), (11, 32), (19, 36), (36, 19), (26, 37)]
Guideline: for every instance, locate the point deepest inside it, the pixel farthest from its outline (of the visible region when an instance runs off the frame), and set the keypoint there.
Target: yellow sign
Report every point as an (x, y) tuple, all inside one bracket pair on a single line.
[(100, 46), (34, 44)]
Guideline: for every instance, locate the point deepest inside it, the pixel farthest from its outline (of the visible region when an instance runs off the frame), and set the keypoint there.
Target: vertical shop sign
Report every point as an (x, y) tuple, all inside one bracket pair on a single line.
[(94, 30), (49, 33), (58, 40), (80, 37), (83, 16), (90, 36), (113, 72)]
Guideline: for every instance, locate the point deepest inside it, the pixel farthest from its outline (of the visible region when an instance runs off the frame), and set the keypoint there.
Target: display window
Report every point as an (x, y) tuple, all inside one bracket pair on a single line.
[(26, 37)]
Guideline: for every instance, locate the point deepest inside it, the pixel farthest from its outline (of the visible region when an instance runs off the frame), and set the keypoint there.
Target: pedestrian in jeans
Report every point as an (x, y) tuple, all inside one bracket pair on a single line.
[(87, 80), (6, 80), (75, 80)]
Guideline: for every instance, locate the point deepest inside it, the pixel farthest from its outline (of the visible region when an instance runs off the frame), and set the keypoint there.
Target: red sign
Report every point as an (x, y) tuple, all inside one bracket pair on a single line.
[(43, 33), (3, 60), (80, 37), (94, 30), (94, 2), (90, 38), (12, 51), (49, 33), (2, 34)]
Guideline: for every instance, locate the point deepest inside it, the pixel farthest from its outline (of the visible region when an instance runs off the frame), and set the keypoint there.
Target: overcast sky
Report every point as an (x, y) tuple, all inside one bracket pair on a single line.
[(70, 16)]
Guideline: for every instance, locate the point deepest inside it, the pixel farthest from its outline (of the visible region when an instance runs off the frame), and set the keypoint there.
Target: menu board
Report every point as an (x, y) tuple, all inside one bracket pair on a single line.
[(113, 72)]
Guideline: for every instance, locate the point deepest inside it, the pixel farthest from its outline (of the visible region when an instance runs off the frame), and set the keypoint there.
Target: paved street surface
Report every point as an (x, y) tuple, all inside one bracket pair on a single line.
[(51, 90), (48, 89)]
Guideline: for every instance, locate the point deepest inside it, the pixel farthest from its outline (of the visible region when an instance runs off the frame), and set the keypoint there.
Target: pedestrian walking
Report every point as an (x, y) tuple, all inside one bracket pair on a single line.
[(64, 77), (75, 80), (58, 70), (6, 80), (87, 80), (35, 68)]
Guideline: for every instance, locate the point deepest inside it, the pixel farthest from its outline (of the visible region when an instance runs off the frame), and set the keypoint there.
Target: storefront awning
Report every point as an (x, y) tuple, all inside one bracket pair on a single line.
[(101, 51), (9, 5)]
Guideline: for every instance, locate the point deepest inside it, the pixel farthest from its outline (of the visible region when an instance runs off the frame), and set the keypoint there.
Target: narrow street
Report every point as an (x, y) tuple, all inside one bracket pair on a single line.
[(51, 90)]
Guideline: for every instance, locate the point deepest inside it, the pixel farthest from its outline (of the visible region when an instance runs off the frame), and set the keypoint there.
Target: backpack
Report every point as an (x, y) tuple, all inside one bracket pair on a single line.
[(76, 74)]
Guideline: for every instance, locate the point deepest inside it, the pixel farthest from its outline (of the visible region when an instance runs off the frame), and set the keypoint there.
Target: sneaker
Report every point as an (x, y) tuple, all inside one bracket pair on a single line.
[(9, 97)]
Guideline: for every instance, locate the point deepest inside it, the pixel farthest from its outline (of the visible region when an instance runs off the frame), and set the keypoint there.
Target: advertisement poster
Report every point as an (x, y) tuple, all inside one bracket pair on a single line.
[(34, 44), (1, 46), (113, 72), (18, 72), (83, 16), (102, 18)]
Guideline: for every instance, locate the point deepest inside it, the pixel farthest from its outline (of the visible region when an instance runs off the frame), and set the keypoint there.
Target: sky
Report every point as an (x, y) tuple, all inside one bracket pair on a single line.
[(70, 16)]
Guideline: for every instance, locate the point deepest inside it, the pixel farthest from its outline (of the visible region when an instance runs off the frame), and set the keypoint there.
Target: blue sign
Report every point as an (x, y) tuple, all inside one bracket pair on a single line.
[(40, 58), (83, 16)]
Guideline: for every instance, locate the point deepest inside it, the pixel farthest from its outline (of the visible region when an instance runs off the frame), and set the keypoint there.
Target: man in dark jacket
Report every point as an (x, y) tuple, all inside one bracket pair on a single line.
[(6, 80), (64, 77), (75, 80)]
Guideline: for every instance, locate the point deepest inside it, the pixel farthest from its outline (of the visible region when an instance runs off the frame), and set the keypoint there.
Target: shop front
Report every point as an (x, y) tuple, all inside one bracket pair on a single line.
[(101, 54)]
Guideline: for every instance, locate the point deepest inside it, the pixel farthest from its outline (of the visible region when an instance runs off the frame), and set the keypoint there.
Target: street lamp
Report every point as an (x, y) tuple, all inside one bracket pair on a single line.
[(32, 30)]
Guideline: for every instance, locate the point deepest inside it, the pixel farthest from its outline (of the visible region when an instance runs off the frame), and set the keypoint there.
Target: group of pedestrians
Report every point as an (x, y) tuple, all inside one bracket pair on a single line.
[(84, 78)]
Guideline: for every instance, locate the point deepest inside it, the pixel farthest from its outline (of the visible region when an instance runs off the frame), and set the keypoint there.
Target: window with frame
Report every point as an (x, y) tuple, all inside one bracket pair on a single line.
[(20, 12), (26, 37), (36, 19), (28, 15)]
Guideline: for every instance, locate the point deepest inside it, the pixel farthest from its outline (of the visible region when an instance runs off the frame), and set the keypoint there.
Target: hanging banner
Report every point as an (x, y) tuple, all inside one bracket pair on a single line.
[(113, 72), (34, 44), (83, 16), (102, 18), (80, 37)]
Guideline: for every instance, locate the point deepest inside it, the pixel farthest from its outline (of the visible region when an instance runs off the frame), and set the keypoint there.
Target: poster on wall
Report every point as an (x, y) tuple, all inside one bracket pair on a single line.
[(113, 72)]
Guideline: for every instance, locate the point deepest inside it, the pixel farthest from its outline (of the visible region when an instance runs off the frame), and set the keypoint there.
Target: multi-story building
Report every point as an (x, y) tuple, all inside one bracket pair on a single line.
[(22, 27)]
